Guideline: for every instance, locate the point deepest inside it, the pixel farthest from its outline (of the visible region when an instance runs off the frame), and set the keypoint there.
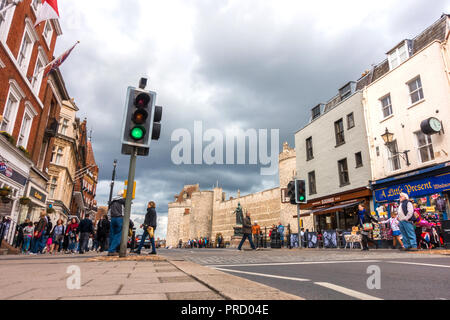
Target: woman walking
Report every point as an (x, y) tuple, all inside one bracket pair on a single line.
[(58, 236), (365, 221), (72, 233), (27, 236)]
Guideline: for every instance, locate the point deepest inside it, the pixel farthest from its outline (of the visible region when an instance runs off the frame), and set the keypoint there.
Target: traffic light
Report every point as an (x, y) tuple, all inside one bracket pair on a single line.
[(138, 127), (291, 192), (300, 191)]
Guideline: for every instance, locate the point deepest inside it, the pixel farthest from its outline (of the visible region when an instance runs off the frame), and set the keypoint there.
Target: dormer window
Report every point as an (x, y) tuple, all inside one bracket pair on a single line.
[(398, 55), (316, 111), (347, 90)]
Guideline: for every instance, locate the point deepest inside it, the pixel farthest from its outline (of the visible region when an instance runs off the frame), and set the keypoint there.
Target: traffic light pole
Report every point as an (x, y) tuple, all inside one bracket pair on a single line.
[(300, 240), (127, 214)]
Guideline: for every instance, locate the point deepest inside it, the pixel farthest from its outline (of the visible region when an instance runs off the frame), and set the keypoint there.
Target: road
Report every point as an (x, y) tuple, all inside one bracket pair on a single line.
[(334, 274)]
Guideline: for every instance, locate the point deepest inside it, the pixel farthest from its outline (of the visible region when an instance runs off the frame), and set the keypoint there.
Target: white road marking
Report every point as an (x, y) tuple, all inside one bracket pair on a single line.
[(290, 263), (346, 291), (263, 275), (420, 264)]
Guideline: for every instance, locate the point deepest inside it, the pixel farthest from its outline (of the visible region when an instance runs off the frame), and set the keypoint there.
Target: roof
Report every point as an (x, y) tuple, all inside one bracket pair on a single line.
[(90, 159)]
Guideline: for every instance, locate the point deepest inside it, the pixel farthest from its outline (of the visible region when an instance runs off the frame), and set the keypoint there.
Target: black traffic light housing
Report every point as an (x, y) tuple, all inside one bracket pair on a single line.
[(291, 192), (141, 121), (300, 191)]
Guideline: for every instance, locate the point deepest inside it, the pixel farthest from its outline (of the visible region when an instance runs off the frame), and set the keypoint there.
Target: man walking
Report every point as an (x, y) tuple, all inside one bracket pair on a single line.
[(407, 219), (103, 233), (86, 228), (247, 230), (116, 211), (149, 222)]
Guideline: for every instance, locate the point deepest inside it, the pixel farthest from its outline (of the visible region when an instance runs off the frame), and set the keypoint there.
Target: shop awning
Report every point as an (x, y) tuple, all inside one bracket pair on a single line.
[(333, 209)]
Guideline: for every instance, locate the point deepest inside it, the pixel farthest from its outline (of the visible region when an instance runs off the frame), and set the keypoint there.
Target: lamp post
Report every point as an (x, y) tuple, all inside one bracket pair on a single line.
[(112, 183), (388, 139)]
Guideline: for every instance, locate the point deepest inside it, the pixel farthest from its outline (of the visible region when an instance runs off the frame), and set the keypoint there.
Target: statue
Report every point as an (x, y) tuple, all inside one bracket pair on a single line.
[(239, 215)]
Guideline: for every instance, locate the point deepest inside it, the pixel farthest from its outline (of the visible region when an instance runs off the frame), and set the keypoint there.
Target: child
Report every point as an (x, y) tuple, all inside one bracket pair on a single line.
[(27, 236), (393, 221)]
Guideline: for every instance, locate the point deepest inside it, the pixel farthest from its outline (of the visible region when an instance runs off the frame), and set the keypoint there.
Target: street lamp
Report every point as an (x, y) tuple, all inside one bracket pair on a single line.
[(388, 139)]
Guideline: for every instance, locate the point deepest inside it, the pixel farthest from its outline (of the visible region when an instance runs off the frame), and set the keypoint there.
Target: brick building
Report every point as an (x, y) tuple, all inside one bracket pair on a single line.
[(86, 180), (29, 107)]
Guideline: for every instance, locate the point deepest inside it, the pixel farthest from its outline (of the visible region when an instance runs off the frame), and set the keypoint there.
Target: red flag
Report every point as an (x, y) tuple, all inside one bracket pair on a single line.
[(59, 61), (48, 10)]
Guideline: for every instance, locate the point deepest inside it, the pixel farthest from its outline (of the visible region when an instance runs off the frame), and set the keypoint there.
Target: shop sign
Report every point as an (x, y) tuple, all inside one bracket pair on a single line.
[(37, 195), (415, 189), (8, 172), (3, 167)]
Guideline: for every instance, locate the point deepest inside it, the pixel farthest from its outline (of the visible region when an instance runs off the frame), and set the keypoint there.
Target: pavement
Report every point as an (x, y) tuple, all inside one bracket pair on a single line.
[(224, 274), (94, 277)]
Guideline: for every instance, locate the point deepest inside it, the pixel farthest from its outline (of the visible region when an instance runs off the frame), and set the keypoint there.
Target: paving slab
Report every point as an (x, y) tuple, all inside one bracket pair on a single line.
[(155, 296), (193, 286)]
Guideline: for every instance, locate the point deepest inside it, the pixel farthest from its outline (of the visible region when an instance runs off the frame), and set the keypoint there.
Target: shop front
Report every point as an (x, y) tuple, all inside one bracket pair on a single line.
[(335, 215), (429, 188), (38, 198)]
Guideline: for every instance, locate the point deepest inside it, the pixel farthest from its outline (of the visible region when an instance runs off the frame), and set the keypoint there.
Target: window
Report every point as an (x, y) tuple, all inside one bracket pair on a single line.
[(315, 112), (38, 74), (53, 186), (339, 130), (378, 151), (398, 56), (25, 52), (350, 121), (57, 155), (25, 130), (358, 159), (35, 4), (309, 149), (386, 106), (64, 126), (9, 114), (346, 91), (415, 90), (343, 173), (425, 147), (312, 183), (394, 157), (5, 19), (48, 32)]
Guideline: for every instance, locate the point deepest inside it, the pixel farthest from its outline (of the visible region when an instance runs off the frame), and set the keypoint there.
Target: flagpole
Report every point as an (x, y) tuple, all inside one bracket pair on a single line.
[(14, 3), (50, 63)]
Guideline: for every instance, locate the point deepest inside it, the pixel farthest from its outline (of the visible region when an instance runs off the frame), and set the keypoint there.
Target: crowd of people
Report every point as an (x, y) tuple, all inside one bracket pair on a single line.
[(75, 236)]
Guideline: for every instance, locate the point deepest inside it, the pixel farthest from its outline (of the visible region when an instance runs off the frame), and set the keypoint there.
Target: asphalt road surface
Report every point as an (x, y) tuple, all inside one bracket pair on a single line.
[(336, 275)]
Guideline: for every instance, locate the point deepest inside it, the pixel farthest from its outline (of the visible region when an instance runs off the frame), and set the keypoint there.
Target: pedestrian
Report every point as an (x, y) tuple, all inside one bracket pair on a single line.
[(280, 230), (27, 236), (256, 230), (396, 234), (85, 229), (247, 230), (58, 236), (39, 233), (3, 229), (103, 233), (72, 234), (365, 222), (407, 219), (20, 237), (149, 226), (116, 212)]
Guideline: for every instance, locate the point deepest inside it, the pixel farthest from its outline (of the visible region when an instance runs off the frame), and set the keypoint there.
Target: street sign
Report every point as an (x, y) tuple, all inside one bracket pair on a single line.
[(8, 172), (3, 167)]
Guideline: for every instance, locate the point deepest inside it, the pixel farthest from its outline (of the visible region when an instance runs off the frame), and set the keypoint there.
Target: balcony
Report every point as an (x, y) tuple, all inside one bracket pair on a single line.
[(52, 128)]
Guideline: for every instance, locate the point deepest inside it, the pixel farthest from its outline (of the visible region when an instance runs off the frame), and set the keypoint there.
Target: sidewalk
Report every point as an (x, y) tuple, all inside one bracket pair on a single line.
[(135, 278)]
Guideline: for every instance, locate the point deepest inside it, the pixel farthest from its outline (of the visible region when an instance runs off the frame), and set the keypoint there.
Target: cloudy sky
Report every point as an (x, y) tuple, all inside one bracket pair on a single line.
[(248, 64)]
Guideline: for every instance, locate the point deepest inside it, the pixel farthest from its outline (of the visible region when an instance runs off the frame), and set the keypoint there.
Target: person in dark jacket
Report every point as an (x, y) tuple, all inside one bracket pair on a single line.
[(103, 233), (150, 221), (364, 217), (116, 209), (39, 233), (247, 230), (86, 228)]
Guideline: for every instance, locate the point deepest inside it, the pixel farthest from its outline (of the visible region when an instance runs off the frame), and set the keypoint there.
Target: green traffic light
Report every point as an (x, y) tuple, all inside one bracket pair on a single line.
[(137, 133), (302, 198)]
